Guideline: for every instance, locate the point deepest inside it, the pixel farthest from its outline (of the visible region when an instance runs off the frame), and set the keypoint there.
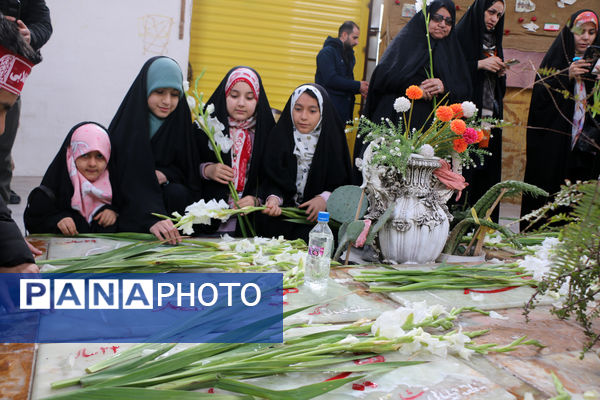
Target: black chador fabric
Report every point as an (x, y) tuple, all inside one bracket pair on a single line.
[(550, 159), (406, 62), (13, 249), (471, 32), (51, 201), (264, 124), (135, 157), (329, 169)]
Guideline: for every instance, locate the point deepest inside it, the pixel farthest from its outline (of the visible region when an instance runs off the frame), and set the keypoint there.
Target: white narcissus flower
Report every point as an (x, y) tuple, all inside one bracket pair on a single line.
[(402, 104), (350, 339), (469, 109)]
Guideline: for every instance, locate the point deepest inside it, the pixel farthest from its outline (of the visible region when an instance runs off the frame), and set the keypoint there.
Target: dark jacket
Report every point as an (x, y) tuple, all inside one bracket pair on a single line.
[(36, 16), (335, 73), (13, 249)]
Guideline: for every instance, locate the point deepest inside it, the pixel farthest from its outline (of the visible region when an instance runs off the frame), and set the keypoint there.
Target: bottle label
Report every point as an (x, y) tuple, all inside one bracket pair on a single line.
[(316, 251)]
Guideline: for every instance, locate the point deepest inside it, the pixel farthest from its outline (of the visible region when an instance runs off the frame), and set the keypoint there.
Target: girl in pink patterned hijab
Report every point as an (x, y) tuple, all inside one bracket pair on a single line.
[(75, 195), (87, 158)]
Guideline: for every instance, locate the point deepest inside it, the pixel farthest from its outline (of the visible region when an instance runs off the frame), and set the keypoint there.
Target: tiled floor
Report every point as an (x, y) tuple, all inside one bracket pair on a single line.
[(24, 184)]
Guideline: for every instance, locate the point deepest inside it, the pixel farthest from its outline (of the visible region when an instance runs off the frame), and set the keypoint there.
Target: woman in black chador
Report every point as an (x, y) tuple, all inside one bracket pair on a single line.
[(155, 164), (306, 158), (76, 194), (406, 62), (242, 106), (479, 33), (557, 126)]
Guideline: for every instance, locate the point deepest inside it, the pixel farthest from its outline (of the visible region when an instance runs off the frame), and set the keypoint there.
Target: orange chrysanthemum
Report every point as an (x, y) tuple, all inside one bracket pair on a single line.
[(480, 136), (458, 126), (485, 142), (457, 108), (460, 145), (414, 92), (444, 113)]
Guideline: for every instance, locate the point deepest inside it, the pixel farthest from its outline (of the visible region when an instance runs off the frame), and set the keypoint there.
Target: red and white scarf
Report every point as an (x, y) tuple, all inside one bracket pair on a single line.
[(242, 132), (242, 135), (89, 197), (14, 69)]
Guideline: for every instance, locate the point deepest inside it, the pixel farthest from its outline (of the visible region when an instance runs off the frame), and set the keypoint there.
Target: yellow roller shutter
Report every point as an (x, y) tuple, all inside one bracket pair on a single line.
[(280, 39)]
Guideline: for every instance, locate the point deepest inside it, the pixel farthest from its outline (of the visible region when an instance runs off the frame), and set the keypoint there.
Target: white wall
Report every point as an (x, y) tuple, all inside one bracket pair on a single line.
[(95, 52)]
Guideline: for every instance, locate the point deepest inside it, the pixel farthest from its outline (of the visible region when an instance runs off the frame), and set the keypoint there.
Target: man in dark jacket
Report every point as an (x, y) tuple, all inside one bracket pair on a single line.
[(16, 60), (335, 69), (32, 18)]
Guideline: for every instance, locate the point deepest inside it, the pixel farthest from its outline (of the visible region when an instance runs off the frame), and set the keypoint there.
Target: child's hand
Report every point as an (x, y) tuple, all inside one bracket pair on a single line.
[(219, 172), (106, 218), (165, 230), (247, 201), (272, 207), (160, 177), (34, 250), (67, 226), (313, 207)]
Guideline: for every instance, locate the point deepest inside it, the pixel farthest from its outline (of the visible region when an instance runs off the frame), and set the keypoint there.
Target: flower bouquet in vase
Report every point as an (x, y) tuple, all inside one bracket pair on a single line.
[(416, 171)]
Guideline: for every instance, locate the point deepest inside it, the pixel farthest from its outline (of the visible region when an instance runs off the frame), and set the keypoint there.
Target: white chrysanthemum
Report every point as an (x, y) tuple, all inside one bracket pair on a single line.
[(419, 4), (426, 151), (191, 102), (469, 109), (402, 104), (350, 339)]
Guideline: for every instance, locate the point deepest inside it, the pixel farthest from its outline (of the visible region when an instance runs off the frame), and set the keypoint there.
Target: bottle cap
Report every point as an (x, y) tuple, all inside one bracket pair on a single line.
[(323, 216)]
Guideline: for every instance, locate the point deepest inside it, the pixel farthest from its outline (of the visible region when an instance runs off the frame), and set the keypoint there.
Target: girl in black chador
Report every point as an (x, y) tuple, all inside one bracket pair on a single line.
[(406, 62), (306, 158), (241, 105), (75, 195), (557, 126), (155, 164), (479, 33)]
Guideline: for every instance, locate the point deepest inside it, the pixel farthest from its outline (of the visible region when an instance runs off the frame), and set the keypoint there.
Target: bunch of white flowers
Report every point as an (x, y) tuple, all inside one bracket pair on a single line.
[(201, 212)]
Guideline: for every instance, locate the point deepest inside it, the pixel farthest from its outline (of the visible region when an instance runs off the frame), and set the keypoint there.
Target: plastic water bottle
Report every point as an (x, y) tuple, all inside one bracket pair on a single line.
[(320, 244)]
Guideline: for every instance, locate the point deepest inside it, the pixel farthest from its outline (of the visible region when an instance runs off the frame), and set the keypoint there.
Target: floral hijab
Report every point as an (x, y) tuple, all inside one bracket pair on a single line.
[(88, 197), (305, 144)]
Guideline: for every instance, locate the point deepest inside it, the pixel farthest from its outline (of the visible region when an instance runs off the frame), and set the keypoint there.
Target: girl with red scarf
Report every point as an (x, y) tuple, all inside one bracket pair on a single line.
[(241, 105)]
